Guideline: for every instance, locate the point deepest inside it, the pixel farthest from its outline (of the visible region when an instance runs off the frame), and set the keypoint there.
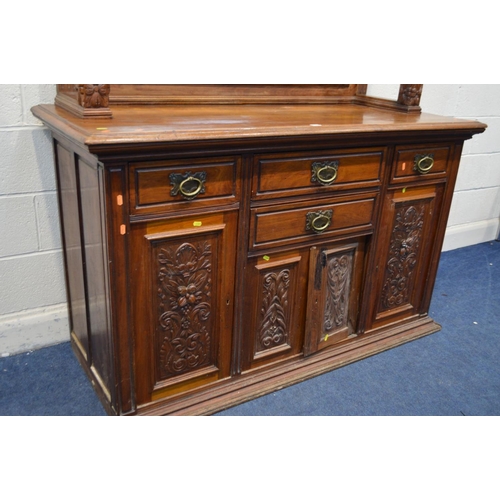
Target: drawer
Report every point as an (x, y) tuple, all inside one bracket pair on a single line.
[(300, 222), (415, 163), (178, 184), (278, 176)]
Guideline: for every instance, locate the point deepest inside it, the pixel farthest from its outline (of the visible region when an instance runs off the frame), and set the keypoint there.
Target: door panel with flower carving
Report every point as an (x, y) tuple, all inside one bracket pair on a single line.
[(402, 272), (183, 305)]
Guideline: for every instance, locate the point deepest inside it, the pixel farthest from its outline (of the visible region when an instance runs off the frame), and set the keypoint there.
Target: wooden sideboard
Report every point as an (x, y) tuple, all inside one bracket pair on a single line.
[(225, 241)]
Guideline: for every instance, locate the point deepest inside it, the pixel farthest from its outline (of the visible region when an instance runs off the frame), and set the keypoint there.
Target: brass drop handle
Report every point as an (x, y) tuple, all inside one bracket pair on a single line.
[(188, 185), (319, 221), (325, 172), (424, 163), (324, 221)]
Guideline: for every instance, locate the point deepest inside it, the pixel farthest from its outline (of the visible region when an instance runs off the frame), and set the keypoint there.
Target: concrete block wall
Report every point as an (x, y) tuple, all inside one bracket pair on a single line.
[(33, 311), (475, 212)]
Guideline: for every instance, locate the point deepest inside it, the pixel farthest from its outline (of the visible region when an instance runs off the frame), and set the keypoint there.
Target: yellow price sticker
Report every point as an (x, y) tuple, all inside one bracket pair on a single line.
[(266, 258), (197, 223)]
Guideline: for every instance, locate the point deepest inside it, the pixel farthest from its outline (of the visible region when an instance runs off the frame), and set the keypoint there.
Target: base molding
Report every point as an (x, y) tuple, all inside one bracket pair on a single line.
[(26, 331), (232, 392), (474, 233)]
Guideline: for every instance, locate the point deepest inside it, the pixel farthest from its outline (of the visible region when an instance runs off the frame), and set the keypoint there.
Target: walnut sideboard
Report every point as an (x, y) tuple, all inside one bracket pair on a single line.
[(225, 241)]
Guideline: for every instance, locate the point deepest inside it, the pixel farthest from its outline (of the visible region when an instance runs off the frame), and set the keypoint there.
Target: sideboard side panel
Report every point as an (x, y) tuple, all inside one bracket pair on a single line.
[(95, 267), (70, 221), (83, 222)]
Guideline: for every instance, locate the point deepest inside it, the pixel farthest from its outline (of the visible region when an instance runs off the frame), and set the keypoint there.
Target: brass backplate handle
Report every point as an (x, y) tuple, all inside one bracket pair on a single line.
[(188, 185), (325, 172), (424, 163), (319, 221)]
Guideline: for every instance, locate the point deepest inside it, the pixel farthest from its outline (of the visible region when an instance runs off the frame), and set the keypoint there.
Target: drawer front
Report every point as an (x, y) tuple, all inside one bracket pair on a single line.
[(276, 176), (166, 185), (415, 163), (299, 222)]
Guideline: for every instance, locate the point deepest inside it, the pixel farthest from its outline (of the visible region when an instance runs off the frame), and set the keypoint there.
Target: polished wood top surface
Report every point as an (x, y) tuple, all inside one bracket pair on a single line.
[(153, 124)]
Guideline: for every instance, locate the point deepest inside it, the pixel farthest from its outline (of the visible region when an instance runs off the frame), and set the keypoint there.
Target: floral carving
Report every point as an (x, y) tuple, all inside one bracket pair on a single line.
[(337, 295), (92, 95), (273, 330), (403, 256), (185, 290)]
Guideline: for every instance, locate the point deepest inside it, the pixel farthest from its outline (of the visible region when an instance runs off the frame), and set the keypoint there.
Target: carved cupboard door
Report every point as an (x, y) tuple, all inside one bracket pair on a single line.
[(182, 302), (411, 219), (335, 275), (274, 305)]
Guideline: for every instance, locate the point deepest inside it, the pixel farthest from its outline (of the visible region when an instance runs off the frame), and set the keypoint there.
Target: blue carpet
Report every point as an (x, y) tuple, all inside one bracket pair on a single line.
[(47, 382), (453, 372)]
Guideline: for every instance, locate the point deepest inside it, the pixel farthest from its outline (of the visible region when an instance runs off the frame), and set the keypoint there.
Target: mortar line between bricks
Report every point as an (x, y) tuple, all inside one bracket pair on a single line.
[(23, 103), (23, 195), (17, 128), (31, 254), (37, 225)]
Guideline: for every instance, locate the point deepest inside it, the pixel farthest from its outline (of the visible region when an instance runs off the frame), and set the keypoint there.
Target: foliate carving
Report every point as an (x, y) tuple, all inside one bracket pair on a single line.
[(410, 94), (185, 308), (339, 273), (403, 256), (92, 95), (273, 329)]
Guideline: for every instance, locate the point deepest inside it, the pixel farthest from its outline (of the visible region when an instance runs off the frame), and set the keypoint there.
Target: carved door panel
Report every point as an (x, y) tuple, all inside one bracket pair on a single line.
[(411, 217), (182, 302), (335, 275), (275, 291)]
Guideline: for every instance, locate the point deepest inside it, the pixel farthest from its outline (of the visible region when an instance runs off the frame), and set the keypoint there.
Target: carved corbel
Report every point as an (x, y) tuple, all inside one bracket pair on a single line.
[(410, 94), (87, 100), (93, 96)]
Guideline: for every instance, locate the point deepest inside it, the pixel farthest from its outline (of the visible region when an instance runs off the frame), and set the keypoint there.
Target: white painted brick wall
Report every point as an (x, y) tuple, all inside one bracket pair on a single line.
[(32, 291), (17, 227), (32, 281), (33, 310), (11, 106), (475, 211)]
